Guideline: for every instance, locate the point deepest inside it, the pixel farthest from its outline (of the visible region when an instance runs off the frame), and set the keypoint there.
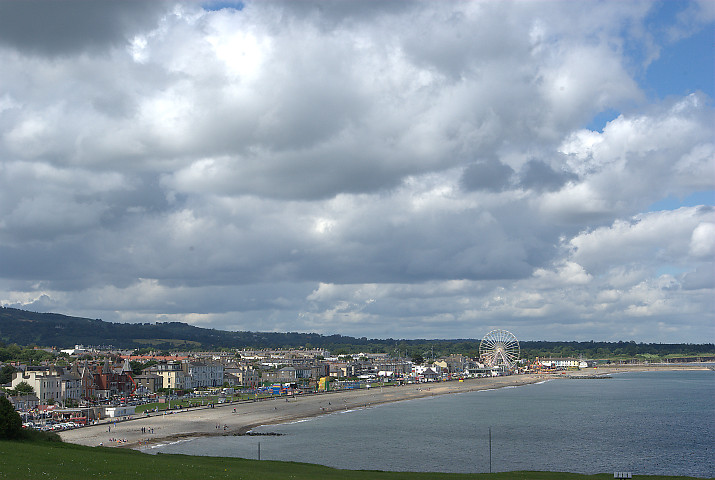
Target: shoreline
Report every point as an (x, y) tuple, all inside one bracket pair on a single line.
[(425, 390), (238, 418)]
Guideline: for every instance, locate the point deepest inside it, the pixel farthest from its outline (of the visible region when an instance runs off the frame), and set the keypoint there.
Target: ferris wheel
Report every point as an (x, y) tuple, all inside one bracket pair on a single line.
[(499, 348)]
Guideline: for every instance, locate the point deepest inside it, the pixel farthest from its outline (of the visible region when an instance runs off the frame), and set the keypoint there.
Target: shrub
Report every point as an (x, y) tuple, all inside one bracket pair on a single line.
[(10, 421), (32, 435)]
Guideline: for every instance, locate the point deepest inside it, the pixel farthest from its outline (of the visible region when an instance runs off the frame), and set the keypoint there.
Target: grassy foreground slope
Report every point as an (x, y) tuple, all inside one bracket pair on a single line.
[(32, 460)]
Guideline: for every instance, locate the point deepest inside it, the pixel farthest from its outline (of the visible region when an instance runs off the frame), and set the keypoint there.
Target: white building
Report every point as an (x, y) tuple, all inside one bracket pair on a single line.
[(559, 362), (50, 383), (425, 373), (77, 350), (203, 374), (116, 412)]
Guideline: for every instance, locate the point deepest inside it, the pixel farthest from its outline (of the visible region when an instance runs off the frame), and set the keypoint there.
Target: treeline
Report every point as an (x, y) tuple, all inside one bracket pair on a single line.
[(26, 328), (630, 349), (27, 355), (530, 349)]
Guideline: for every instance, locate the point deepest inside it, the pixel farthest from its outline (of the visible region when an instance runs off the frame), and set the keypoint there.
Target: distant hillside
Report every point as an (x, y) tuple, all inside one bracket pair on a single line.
[(62, 331), (51, 329)]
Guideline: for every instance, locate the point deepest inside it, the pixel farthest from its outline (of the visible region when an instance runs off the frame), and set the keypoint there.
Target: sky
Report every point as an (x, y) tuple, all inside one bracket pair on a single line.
[(381, 169)]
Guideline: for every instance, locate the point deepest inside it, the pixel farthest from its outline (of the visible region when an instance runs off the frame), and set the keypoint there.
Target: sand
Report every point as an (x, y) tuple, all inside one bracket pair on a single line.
[(241, 417)]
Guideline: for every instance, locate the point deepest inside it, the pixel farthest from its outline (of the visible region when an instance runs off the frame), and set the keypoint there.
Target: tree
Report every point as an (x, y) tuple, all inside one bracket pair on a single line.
[(139, 367), (136, 367), (24, 388), (6, 374), (10, 421), (417, 359)]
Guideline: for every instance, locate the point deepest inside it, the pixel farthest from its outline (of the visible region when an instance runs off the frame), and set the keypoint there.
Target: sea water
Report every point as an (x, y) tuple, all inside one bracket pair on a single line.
[(656, 423)]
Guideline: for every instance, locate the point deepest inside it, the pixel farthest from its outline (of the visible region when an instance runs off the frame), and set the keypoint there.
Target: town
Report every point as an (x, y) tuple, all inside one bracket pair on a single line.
[(91, 384)]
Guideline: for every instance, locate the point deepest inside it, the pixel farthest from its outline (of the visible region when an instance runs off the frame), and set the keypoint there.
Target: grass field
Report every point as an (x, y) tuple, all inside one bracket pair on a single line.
[(201, 401), (54, 460), (193, 402)]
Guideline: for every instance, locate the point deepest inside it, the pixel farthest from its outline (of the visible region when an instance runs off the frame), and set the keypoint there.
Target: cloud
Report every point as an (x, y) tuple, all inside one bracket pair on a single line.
[(568, 273), (702, 278), (403, 169), (537, 174), (702, 242), (654, 238), (668, 147), (488, 175), (69, 27), (695, 16)]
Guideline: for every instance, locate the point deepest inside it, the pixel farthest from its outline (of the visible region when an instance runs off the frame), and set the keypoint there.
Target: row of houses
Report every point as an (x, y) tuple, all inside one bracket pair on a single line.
[(104, 379), (563, 363), (188, 375), (56, 383)]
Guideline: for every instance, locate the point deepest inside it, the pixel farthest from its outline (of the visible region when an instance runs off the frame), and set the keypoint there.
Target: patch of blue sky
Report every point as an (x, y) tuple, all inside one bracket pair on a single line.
[(706, 197), (671, 270), (684, 67), (598, 122), (685, 64), (220, 5)]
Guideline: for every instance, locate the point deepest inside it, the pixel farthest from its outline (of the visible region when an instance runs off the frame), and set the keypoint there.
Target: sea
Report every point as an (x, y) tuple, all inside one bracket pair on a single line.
[(647, 423)]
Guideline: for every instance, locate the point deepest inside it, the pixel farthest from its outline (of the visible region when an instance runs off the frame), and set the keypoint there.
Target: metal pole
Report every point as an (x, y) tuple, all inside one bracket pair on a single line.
[(259, 451), (490, 450)]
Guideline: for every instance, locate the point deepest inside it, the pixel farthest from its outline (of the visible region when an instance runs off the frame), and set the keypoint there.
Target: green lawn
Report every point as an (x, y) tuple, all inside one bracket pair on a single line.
[(45, 460), (197, 402)]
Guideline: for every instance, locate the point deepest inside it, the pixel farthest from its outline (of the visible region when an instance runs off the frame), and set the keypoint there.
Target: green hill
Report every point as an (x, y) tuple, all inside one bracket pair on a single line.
[(22, 327), (50, 329), (23, 460)]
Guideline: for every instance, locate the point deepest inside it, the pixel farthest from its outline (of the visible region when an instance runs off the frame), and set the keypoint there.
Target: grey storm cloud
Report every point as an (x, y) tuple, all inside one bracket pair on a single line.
[(48, 27), (539, 175), (393, 169), (487, 175)]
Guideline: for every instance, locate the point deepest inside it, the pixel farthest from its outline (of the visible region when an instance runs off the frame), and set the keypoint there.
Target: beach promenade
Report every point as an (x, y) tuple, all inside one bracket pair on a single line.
[(240, 417)]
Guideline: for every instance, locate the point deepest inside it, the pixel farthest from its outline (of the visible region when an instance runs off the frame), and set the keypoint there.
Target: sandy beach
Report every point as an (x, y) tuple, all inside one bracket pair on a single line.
[(240, 417), (222, 420)]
